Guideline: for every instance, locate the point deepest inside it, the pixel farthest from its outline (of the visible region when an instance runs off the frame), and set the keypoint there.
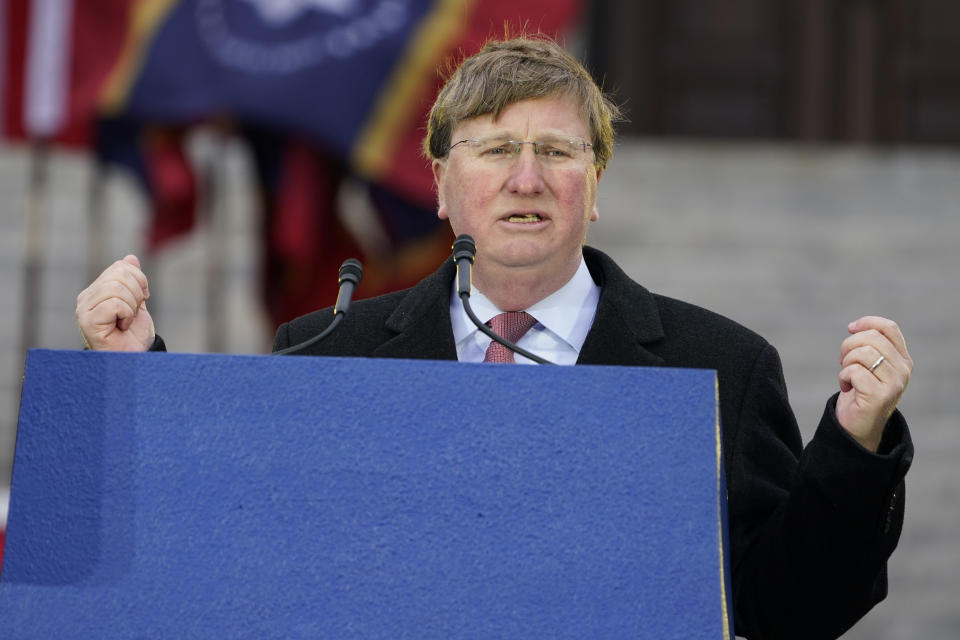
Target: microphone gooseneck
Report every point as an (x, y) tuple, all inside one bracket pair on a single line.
[(351, 272), (464, 251)]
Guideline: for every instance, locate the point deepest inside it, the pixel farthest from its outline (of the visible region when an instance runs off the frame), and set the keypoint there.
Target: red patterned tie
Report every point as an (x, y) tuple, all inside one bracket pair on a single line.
[(511, 325)]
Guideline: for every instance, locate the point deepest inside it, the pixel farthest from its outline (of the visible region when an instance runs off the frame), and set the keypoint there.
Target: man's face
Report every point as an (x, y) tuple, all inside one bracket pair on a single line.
[(528, 212)]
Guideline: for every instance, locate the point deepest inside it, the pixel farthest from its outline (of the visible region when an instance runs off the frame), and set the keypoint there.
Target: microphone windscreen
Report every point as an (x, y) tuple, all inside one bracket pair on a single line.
[(464, 247), (351, 271)]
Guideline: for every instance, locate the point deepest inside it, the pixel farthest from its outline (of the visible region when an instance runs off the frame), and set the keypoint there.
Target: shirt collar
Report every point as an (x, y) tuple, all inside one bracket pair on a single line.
[(568, 312)]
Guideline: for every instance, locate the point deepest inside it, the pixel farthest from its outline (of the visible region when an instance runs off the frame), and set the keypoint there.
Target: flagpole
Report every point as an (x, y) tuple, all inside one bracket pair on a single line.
[(96, 237), (213, 210), (35, 232)]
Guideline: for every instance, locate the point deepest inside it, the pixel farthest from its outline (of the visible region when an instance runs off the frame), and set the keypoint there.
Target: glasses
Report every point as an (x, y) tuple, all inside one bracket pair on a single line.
[(550, 150)]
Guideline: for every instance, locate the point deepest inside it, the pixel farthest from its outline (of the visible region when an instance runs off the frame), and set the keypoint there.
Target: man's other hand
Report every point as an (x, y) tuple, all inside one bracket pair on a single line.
[(875, 370), (112, 311)]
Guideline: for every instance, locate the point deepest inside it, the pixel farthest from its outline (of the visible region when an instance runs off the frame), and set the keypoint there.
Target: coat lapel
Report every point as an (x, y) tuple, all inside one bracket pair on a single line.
[(627, 318), (422, 321)]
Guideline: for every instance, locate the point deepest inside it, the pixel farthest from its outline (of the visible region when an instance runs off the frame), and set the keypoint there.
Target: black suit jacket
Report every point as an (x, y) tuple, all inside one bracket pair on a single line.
[(811, 529)]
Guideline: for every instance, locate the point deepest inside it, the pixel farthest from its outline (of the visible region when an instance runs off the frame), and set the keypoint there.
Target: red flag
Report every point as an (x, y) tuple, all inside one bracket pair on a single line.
[(57, 56), (171, 183), (306, 241), (156, 157)]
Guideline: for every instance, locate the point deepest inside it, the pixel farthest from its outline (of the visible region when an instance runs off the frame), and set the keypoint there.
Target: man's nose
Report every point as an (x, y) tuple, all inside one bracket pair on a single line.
[(526, 172)]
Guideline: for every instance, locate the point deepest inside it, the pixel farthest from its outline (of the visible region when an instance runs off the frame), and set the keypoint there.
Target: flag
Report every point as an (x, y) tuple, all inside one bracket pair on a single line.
[(354, 77), (306, 239), (155, 156), (56, 56), (303, 237)]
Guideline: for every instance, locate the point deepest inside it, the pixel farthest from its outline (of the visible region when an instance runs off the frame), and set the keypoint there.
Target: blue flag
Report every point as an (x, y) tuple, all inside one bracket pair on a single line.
[(314, 67)]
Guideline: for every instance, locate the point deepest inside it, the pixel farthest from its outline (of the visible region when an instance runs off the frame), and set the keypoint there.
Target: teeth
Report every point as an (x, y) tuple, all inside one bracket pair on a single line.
[(527, 217)]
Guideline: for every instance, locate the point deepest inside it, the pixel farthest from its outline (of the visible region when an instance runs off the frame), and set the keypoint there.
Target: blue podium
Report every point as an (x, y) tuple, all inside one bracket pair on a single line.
[(198, 496)]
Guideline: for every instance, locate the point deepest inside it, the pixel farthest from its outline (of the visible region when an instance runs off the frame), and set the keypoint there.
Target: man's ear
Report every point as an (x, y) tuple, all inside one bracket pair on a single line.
[(595, 214), (439, 168)]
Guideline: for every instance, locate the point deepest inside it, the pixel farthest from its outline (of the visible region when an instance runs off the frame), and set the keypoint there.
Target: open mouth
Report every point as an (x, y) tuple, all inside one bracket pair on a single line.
[(525, 218)]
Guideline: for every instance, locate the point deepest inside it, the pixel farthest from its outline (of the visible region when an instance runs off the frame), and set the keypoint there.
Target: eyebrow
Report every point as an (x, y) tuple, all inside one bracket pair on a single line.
[(511, 136)]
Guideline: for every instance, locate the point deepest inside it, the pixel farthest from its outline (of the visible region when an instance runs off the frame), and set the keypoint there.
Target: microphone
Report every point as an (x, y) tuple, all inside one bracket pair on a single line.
[(351, 272), (464, 250)]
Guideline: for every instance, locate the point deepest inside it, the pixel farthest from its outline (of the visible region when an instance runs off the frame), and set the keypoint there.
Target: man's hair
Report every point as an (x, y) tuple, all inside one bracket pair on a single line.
[(508, 71)]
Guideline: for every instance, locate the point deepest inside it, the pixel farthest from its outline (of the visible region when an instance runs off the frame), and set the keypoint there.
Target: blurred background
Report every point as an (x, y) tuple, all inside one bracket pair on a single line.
[(792, 164)]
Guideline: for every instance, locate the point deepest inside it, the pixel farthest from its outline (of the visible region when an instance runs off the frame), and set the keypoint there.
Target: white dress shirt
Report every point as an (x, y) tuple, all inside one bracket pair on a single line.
[(563, 318)]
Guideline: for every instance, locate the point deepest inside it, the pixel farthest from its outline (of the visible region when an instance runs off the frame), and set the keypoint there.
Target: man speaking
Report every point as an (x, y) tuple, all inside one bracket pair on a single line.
[(518, 140)]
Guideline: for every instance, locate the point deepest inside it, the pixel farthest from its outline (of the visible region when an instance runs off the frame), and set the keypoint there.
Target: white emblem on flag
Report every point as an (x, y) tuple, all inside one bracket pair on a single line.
[(354, 26), (283, 11)]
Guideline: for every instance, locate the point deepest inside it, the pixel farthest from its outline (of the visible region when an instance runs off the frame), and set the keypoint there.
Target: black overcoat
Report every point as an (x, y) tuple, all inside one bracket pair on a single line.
[(810, 528)]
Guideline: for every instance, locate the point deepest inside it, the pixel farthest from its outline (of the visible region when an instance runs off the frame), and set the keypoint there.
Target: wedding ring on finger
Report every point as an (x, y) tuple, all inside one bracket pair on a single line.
[(877, 363)]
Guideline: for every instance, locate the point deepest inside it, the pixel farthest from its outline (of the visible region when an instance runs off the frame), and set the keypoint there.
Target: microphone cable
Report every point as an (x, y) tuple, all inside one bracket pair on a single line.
[(351, 272)]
